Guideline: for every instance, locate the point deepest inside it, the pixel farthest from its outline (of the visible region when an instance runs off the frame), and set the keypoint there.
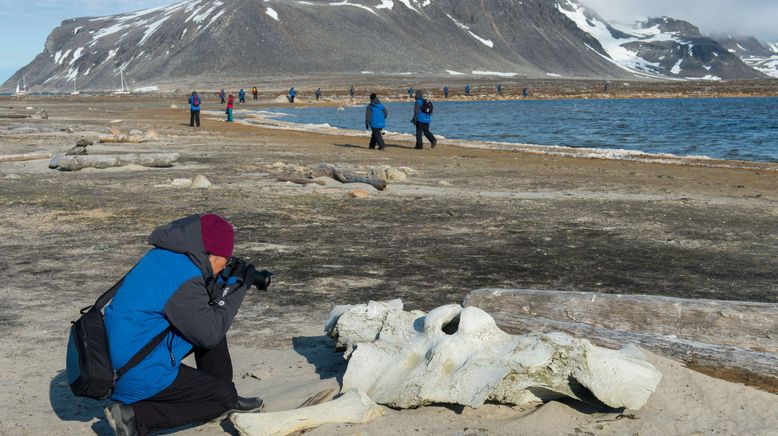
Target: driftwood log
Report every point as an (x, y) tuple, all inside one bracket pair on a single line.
[(154, 160), (24, 157), (122, 139), (328, 170), (301, 180), (734, 335)]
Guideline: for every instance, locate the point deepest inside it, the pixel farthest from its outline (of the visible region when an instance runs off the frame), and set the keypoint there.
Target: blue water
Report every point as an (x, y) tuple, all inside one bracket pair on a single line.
[(732, 128)]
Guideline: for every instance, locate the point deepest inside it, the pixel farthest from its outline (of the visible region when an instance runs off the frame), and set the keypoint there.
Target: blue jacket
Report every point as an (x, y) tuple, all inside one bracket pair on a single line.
[(420, 116), (375, 115), (292, 92), (192, 106), (169, 287), (242, 94)]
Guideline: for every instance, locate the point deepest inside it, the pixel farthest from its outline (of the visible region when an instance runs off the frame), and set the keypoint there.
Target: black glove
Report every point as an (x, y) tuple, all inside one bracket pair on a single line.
[(244, 272)]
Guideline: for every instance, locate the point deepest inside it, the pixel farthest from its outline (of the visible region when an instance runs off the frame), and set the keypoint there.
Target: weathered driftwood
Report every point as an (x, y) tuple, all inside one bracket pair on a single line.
[(301, 180), (155, 160), (24, 157), (727, 334), (327, 170), (122, 139), (354, 407)]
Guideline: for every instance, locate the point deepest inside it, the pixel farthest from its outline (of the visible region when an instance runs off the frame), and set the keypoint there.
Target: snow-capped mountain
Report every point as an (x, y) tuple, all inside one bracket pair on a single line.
[(759, 56), (213, 40)]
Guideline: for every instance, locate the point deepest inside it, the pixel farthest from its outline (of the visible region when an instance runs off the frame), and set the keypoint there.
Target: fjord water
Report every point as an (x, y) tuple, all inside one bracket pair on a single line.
[(720, 128)]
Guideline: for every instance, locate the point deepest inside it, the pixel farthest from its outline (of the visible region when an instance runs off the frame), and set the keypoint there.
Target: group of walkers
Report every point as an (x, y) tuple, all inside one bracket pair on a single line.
[(376, 115)]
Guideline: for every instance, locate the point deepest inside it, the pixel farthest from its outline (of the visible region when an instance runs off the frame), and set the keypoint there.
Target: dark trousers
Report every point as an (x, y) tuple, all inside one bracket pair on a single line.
[(196, 395), (377, 139), (194, 118), (242, 99), (255, 96), (423, 129)]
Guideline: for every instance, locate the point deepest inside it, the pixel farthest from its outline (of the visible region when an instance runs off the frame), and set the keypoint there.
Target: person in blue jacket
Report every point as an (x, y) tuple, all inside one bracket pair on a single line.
[(242, 96), (467, 90), (422, 120), (194, 109), (445, 91), (174, 287), (222, 96), (292, 94), (375, 120)]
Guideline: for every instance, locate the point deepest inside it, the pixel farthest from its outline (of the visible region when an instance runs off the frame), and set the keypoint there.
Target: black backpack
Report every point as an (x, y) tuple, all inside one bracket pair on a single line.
[(88, 367), (426, 107)]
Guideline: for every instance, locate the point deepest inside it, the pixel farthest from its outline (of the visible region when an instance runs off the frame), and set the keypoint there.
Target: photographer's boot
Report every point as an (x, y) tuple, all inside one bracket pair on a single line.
[(122, 419), (249, 404)]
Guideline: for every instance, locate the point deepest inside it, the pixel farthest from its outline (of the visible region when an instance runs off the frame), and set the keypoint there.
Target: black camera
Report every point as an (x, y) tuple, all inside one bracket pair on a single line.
[(261, 279)]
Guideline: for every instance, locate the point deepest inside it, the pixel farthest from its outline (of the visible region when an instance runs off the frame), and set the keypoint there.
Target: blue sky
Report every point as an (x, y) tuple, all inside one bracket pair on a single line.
[(24, 24)]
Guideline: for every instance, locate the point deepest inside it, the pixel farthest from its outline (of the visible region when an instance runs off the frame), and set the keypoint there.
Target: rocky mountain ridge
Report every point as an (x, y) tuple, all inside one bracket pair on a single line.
[(192, 40)]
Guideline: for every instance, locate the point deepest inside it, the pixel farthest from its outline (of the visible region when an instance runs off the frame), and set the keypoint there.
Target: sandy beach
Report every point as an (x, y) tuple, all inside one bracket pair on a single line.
[(468, 216)]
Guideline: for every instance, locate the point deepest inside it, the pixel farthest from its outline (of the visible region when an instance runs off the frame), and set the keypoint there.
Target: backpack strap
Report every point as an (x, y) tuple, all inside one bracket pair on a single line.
[(142, 354), (103, 300)]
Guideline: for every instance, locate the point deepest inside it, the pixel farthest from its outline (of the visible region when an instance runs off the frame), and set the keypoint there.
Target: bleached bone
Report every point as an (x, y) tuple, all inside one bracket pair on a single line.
[(354, 407), (460, 356)]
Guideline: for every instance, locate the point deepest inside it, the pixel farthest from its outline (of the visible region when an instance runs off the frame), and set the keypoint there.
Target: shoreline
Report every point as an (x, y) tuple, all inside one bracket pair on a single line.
[(264, 120)]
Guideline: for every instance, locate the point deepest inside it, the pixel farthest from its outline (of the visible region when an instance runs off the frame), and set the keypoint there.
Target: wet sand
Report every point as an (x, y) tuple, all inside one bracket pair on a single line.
[(467, 218)]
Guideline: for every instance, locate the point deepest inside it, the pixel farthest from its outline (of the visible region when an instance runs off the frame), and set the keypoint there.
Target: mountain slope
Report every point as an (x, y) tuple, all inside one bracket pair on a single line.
[(231, 39), (760, 57)]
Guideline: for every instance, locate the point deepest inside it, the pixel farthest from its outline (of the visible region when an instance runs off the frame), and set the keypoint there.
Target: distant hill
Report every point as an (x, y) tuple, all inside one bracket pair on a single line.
[(760, 56), (213, 40)]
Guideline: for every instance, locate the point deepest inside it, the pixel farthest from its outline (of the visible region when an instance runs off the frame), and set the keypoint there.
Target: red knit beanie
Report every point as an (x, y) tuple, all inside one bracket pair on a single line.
[(218, 235)]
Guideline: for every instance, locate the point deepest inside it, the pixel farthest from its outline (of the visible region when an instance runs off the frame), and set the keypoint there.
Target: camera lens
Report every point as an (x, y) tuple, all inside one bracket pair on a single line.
[(263, 279)]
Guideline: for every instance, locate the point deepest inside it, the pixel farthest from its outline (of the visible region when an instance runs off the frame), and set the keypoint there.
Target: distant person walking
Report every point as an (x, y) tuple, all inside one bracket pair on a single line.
[(230, 107), (499, 89), (410, 92), (467, 90), (194, 109), (222, 95), (445, 91), (422, 117), (292, 94), (255, 91), (352, 92), (318, 94), (375, 121), (242, 96), (525, 93), (605, 89)]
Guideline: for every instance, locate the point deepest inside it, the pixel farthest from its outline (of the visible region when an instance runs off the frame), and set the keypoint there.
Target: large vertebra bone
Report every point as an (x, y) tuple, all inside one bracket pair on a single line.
[(354, 407), (455, 355)]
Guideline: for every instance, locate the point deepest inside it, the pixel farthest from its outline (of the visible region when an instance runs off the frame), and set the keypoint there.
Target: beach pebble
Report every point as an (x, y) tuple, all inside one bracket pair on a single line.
[(201, 182), (172, 106), (395, 175), (444, 183), (278, 164), (11, 176), (358, 193)]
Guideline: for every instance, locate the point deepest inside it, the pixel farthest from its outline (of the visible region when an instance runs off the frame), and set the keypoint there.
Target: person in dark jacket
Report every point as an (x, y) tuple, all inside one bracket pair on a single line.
[(525, 93), (230, 107), (175, 286), (445, 91), (375, 120), (318, 94), (499, 89), (222, 95), (422, 122), (352, 92), (292, 94), (242, 96), (194, 109)]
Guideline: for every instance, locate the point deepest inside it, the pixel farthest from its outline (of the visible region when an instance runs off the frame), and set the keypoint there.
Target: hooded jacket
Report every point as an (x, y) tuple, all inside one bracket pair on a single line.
[(418, 115), (168, 288), (376, 114)]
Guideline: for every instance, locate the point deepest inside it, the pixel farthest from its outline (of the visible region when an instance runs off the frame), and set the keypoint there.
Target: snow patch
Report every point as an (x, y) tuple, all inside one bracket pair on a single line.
[(147, 89), (272, 13), (386, 4), (494, 73), (487, 42), (346, 3), (454, 73)]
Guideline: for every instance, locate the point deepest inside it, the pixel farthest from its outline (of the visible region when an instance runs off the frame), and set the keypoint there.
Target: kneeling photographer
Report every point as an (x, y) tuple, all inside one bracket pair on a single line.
[(181, 298)]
